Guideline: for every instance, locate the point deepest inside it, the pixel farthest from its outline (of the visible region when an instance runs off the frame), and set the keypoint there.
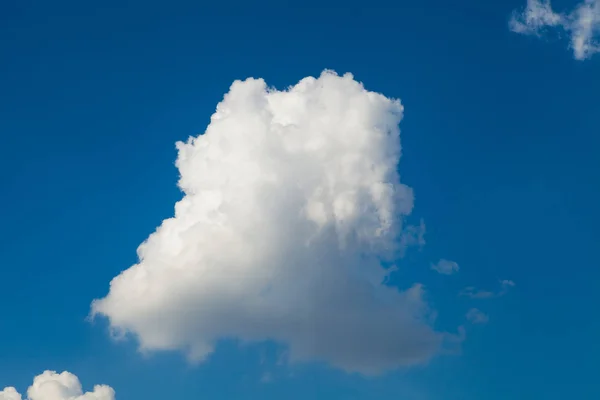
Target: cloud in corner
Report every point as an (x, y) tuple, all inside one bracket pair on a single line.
[(51, 385), (582, 24), (292, 199)]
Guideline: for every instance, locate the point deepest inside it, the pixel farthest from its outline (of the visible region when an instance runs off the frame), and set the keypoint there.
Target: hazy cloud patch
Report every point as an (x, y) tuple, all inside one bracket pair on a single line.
[(445, 267)]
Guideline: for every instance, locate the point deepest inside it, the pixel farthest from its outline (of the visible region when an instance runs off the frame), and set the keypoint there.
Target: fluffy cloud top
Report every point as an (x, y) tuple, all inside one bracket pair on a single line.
[(582, 24), (54, 386), (445, 267), (10, 393), (291, 201)]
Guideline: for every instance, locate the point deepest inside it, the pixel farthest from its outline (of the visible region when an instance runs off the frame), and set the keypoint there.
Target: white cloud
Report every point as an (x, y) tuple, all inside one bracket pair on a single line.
[(10, 393), (291, 201), (537, 16), (445, 267), (476, 316), (472, 292), (582, 24), (54, 386)]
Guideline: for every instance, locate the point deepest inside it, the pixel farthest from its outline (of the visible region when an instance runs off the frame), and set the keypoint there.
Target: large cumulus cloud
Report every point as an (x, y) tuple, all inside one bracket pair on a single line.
[(292, 200), (54, 386)]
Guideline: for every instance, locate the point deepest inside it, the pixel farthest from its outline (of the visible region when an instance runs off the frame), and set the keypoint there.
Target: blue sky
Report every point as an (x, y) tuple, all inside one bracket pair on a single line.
[(499, 138)]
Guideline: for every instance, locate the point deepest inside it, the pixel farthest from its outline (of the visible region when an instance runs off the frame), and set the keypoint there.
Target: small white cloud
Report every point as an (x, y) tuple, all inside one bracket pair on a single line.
[(582, 24), (51, 385), (445, 267), (505, 286), (472, 292), (10, 393), (476, 316), (292, 199)]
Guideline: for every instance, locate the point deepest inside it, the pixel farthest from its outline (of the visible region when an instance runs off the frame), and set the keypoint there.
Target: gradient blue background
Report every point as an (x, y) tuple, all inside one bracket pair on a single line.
[(501, 140)]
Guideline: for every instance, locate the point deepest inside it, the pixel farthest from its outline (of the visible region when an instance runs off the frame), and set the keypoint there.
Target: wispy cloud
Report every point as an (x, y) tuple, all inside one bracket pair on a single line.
[(582, 24), (476, 316), (506, 285), (445, 267), (537, 16), (472, 292)]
